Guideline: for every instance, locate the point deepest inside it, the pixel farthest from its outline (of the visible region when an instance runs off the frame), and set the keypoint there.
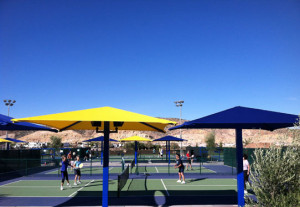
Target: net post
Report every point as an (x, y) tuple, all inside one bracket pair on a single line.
[(91, 166), (200, 164), (119, 187)]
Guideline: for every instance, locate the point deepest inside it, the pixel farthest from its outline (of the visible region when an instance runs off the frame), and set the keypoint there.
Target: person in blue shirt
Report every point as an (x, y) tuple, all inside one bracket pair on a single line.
[(180, 166), (77, 170), (64, 171)]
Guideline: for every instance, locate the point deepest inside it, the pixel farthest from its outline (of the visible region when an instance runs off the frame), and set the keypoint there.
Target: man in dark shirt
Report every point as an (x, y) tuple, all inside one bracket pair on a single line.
[(64, 172), (180, 166)]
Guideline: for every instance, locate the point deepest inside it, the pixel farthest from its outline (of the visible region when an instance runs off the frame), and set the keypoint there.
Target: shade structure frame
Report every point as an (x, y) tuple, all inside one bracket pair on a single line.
[(168, 140), (7, 124), (240, 118), (107, 116), (135, 139), (83, 119), (14, 140), (101, 140), (5, 141)]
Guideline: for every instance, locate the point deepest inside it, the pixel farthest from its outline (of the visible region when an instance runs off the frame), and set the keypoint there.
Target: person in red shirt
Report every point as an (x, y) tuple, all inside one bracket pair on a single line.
[(69, 157), (188, 157)]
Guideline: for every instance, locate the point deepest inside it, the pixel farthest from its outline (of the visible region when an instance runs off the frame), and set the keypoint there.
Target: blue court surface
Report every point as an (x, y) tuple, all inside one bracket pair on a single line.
[(153, 185)]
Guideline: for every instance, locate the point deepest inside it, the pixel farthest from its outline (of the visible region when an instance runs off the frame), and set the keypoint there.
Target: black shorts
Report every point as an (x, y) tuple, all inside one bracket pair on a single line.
[(64, 175), (189, 161), (246, 177), (77, 172), (181, 169)]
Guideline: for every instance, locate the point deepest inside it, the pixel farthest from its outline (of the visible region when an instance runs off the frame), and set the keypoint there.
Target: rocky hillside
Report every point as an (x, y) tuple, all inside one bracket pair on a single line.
[(193, 136)]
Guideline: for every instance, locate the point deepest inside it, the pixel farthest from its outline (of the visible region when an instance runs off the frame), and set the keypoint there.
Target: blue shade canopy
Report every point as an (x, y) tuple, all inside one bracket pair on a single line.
[(99, 139), (243, 118), (7, 125), (169, 138), (14, 140)]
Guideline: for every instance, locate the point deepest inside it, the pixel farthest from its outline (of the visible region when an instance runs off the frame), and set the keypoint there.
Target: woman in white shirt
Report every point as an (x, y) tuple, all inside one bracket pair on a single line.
[(246, 169)]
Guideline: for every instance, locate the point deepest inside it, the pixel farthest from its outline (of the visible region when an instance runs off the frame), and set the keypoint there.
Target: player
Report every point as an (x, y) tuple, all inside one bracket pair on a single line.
[(161, 152), (188, 157), (180, 166), (192, 156), (69, 157), (246, 169), (77, 170), (64, 171)]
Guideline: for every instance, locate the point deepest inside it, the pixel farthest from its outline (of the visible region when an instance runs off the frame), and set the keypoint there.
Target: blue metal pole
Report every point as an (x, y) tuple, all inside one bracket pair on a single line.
[(169, 152), (105, 165), (166, 150), (239, 159), (101, 152), (136, 149)]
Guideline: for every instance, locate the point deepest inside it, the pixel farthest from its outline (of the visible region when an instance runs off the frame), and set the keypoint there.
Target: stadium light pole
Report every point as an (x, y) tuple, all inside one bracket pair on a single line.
[(9, 103), (179, 104)]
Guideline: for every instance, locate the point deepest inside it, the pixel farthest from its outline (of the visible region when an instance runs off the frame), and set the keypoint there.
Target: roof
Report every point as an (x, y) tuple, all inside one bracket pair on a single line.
[(243, 118)]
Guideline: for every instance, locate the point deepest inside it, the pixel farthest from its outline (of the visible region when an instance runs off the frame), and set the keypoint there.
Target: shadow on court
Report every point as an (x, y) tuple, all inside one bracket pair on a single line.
[(137, 198)]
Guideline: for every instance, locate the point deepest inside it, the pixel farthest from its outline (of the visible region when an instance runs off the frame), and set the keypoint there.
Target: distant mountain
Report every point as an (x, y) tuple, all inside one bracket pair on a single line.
[(193, 136)]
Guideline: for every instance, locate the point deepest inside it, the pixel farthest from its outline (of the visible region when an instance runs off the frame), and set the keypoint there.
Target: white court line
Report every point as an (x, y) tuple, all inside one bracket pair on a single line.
[(165, 187), (203, 185), (80, 189), (10, 183), (156, 169), (110, 168), (29, 186)]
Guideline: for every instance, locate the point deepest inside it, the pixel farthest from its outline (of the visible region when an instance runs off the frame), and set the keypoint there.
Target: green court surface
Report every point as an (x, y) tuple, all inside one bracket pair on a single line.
[(142, 169), (133, 187)]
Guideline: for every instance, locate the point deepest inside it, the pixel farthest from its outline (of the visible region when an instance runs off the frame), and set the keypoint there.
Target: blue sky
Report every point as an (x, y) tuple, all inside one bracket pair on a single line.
[(141, 56)]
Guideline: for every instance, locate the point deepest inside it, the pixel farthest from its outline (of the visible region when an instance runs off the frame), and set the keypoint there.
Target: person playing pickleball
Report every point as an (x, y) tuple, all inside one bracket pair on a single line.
[(180, 166), (77, 170), (189, 161), (246, 170), (64, 171)]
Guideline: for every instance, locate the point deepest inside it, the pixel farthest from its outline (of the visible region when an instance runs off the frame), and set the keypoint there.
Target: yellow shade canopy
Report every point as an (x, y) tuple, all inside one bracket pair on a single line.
[(89, 118), (135, 138), (5, 140)]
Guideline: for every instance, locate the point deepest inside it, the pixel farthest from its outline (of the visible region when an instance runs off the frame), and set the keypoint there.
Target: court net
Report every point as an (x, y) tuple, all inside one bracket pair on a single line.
[(122, 179), (132, 165)]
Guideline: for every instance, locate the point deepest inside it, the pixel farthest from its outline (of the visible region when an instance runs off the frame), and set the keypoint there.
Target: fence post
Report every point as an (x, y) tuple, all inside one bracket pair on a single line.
[(26, 168), (232, 165)]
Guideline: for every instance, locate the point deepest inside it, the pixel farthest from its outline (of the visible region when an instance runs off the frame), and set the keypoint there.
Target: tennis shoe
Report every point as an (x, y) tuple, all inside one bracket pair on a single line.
[(178, 181), (183, 182), (61, 188), (245, 192), (79, 182), (75, 183)]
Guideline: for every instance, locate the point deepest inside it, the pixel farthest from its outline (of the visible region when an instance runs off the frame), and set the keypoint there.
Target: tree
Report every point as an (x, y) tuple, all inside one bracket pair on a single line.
[(210, 141), (55, 142), (174, 146), (221, 146), (247, 141), (149, 145), (275, 174), (129, 146)]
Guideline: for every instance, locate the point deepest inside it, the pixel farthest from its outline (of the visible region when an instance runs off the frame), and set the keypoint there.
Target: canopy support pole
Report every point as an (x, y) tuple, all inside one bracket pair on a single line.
[(105, 165), (101, 152), (169, 152), (239, 160), (166, 150), (135, 151)]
